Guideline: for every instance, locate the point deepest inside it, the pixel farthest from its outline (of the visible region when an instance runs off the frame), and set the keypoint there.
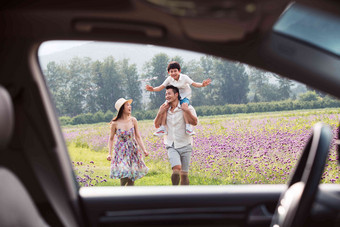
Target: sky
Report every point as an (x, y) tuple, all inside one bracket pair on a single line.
[(54, 46)]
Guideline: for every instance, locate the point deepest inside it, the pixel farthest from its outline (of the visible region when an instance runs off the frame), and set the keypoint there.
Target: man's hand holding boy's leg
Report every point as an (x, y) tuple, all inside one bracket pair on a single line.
[(161, 119), (188, 127)]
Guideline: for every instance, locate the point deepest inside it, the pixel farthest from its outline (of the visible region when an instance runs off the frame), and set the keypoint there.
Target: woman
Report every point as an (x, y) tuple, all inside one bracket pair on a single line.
[(127, 163)]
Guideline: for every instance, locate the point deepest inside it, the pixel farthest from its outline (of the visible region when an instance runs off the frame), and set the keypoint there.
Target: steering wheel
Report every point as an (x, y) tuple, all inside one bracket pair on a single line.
[(296, 202)]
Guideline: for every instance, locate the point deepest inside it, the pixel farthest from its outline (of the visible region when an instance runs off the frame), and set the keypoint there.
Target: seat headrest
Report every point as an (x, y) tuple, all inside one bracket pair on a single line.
[(6, 117)]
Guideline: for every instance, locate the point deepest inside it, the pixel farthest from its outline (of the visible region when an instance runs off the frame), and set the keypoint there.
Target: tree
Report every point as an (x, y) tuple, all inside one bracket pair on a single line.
[(319, 93), (156, 73), (132, 85), (298, 89), (232, 86), (79, 78), (284, 87), (108, 83), (265, 91), (90, 88), (200, 70), (257, 81), (269, 93), (56, 79), (84, 86)]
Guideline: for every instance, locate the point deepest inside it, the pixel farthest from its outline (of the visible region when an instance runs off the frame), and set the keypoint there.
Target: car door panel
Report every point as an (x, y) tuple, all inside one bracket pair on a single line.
[(236, 205), (198, 205)]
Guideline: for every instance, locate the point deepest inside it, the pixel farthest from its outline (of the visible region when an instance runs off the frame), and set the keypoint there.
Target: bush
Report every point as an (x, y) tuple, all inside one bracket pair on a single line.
[(330, 101), (88, 118), (99, 117), (79, 119), (138, 115), (308, 96), (65, 120), (108, 116), (150, 114), (199, 110)]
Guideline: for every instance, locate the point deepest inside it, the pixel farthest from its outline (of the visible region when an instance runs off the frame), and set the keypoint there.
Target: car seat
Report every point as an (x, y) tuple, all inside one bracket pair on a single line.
[(16, 206)]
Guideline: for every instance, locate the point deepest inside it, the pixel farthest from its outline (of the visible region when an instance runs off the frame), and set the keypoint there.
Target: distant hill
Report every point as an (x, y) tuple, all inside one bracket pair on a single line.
[(138, 54)]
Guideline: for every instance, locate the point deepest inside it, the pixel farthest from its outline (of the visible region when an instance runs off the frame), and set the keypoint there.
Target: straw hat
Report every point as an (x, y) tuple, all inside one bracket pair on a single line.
[(120, 102)]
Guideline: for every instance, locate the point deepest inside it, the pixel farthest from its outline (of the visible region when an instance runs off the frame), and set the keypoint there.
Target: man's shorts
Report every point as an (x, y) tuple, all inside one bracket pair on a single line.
[(180, 156), (185, 100)]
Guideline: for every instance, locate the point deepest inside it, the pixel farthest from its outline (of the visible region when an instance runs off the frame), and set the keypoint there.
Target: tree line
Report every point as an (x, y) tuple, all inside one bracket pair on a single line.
[(85, 86)]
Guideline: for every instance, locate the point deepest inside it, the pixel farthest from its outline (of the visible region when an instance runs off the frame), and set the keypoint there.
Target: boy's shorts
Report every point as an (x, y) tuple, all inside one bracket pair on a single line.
[(180, 156), (185, 100)]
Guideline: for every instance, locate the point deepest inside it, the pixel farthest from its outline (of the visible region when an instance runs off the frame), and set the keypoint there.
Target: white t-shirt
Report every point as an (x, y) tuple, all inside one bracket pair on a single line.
[(176, 128), (183, 85)]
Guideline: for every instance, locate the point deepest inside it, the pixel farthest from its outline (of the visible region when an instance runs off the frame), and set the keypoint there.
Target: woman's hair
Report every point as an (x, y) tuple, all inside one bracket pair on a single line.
[(173, 65), (119, 115)]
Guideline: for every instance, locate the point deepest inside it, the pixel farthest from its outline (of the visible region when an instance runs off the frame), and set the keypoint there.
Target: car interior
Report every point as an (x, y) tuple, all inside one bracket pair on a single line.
[(38, 186)]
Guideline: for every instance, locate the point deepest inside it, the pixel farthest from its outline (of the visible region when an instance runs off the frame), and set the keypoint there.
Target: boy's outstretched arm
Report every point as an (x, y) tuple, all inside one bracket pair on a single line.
[(203, 84), (150, 88)]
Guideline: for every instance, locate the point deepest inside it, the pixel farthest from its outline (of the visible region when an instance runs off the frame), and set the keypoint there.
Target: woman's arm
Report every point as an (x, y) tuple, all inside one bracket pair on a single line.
[(138, 137), (112, 136)]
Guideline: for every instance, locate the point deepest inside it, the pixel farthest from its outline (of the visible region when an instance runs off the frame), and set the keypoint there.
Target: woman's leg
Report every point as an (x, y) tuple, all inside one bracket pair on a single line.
[(123, 181), (130, 182)]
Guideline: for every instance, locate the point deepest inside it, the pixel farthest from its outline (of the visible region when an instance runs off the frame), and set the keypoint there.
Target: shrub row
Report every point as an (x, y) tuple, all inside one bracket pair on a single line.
[(266, 107), (211, 110), (89, 118)]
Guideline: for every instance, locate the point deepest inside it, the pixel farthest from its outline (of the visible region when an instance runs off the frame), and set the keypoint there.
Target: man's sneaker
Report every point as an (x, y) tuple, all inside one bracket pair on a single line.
[(160, 131), (189, 130)]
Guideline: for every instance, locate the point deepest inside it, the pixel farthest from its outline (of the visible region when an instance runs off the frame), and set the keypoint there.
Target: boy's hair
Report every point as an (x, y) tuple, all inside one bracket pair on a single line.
[(174, 89), (174, 65)]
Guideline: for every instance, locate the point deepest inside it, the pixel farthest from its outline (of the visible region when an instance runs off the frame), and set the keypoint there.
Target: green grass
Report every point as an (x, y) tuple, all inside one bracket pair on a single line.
[(158, 173)]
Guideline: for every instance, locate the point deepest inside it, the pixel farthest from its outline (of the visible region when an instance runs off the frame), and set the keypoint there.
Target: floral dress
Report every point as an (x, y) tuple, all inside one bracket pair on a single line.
[(128, 160)]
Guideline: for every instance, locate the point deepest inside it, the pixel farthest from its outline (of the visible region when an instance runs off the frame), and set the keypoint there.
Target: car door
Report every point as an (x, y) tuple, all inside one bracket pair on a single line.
[(38, 153)]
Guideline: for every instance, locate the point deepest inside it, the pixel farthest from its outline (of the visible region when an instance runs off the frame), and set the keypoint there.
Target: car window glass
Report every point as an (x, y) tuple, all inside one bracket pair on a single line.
[(312, 26), (252, 124)]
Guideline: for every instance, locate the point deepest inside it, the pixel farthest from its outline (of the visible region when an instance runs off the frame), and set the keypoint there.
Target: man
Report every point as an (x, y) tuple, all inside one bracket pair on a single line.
[(177, 142)]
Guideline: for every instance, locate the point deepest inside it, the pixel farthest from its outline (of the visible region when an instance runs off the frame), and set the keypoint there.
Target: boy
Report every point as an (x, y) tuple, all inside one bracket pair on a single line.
[(182, 82)]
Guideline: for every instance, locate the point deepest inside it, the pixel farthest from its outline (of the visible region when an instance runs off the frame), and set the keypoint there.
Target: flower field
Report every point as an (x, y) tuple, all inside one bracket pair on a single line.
[(233, 149)]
